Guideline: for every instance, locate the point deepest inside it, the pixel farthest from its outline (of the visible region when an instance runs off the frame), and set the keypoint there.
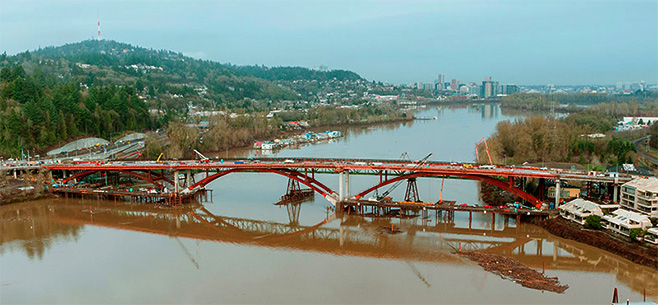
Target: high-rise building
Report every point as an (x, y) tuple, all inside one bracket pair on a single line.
[(474, 89), (627, 86), (488, 89), (511, 89), (439, 82), (453, 84)]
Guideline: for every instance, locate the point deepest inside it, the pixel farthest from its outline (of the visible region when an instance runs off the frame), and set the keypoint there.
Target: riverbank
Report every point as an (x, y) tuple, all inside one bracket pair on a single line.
[(14, 191), (248, 144), (646, 256)]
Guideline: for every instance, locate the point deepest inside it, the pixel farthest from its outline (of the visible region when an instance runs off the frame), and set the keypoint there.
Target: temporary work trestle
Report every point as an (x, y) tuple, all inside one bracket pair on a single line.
[(294, 192)]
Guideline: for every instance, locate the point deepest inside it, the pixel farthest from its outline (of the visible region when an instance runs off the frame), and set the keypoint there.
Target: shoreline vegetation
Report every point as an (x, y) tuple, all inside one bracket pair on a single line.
[(587, 137), (574, 102), (224, 132)]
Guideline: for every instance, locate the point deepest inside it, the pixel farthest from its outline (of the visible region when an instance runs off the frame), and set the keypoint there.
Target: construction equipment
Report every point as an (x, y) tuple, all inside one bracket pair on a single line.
[(201, 156), (477, 156), (396, 184)]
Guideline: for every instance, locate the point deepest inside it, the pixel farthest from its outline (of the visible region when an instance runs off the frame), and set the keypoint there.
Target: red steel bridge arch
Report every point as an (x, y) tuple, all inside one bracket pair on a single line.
[(486, 179), (315, 185), (152, 180)]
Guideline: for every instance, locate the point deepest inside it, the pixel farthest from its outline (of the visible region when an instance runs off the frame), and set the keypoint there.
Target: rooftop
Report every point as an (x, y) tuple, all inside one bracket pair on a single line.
[(644, 184)]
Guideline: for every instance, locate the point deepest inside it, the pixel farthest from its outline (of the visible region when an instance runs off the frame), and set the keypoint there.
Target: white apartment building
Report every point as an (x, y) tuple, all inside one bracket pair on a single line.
[(641, 195), (652, 236), (622, 221), (578, 209)]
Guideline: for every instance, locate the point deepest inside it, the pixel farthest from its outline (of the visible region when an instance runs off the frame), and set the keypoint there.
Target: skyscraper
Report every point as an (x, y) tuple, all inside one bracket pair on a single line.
[(488, 89), (440, 81), (453, 84)]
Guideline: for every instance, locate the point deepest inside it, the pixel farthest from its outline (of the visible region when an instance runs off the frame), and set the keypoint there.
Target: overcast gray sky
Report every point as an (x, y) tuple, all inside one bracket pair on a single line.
[(523, 42)]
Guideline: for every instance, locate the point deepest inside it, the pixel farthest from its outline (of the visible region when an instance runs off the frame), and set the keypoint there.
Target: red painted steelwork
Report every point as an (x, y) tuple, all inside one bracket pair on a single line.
[(312, 183), (89, 172), (495, 182)]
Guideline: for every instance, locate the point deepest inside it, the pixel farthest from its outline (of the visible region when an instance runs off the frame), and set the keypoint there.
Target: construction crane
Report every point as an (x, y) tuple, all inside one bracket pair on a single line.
[(477, 156), (396, 184), (201, 156)]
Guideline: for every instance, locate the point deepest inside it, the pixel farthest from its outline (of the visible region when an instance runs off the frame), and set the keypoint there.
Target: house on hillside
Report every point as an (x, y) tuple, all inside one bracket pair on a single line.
[(628, 169)]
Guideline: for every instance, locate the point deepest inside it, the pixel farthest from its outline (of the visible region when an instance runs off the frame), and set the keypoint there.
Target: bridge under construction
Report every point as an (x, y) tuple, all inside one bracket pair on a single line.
[(180, 180)]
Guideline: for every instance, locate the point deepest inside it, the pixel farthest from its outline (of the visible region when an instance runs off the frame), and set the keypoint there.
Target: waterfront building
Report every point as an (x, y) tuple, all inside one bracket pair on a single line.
[(641, 195), (652, 236), (622, 221), (578, 209), (489, 89)]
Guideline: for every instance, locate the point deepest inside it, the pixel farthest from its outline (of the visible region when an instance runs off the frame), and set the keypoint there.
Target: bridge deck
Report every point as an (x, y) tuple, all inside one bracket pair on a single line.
[(335, 165)]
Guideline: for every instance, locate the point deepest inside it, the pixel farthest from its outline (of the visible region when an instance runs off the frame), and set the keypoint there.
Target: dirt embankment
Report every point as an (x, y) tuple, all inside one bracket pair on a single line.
[(513, 270), (647, 256), (19, 191)]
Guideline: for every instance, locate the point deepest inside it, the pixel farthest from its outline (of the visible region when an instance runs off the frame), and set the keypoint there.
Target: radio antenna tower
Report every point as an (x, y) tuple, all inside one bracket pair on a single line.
[(99, 29)]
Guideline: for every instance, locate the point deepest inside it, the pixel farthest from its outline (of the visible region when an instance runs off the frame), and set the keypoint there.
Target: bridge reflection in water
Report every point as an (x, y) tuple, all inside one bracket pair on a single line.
[(34, 225)]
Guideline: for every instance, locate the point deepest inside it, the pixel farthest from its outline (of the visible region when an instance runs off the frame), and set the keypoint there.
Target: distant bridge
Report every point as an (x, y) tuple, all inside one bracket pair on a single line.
[(303, 170)]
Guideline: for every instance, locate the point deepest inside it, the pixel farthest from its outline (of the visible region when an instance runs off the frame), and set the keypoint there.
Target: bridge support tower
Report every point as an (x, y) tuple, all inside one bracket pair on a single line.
[(412, 195)]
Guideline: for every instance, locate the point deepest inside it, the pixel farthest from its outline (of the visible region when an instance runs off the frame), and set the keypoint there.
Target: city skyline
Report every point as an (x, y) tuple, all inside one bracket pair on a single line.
[(561, 43)]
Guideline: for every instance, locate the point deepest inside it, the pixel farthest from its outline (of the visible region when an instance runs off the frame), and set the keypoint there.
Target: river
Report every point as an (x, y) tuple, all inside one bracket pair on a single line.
[(238, 247)]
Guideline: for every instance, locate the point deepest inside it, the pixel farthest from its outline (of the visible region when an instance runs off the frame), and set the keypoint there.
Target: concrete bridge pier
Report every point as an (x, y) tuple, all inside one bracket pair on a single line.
[(557, 193), (347, 184), (176, 181), (15, 174), (341, 180), (343, 185), (615, 191)]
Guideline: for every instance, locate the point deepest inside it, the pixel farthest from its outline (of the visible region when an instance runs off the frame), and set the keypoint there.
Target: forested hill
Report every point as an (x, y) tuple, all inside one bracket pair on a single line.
[(297, 73), (106, 88), (164, 73), (154, 72)]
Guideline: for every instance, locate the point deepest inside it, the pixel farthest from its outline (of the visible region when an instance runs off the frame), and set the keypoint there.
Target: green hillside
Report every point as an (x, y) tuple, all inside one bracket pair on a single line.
[(104, 88)]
